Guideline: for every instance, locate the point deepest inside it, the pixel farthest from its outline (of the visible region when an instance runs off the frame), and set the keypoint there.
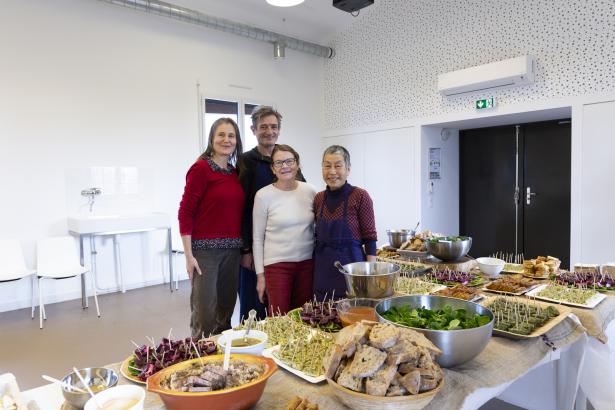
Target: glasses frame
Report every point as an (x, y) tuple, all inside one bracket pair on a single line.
[(280, 163)]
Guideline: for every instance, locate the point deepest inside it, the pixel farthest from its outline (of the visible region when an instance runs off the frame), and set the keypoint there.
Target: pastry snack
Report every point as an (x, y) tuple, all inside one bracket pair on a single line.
[(542, 266)]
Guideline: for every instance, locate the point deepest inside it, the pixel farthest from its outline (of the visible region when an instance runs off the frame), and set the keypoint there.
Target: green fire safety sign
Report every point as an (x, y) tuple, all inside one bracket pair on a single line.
[(485, 103)]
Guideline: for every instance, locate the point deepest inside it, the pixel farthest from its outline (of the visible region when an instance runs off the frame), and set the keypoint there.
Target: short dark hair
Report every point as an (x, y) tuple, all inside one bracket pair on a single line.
[(263, 111)]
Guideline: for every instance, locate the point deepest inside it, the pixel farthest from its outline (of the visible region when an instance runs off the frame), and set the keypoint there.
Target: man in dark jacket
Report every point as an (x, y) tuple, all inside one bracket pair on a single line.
[(255, 173)]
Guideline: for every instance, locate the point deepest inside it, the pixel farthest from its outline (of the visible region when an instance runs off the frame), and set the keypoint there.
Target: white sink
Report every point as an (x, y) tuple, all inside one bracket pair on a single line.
[(84, 224)]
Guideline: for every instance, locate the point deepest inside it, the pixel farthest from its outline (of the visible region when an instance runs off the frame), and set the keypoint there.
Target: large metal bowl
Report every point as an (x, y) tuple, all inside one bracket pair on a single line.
[(458, 346), (397, 237), (371, 279), (97, 378), (449, 250)]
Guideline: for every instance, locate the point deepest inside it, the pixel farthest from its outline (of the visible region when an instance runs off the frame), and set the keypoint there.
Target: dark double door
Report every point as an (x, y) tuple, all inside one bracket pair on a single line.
[(495, 163)]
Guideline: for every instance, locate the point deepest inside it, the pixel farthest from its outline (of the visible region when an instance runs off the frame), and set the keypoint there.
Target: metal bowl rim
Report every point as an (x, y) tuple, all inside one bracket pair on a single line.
[(433, 330), (113, 373)]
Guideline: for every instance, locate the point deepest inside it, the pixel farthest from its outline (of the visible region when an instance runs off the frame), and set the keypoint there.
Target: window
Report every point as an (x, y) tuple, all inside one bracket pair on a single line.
[(239, 111)]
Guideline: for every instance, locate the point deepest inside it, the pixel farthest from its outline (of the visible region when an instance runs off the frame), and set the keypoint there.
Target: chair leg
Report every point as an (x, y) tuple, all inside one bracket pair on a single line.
[(95, 298), (32, 294), (176, 273), (40, 305)]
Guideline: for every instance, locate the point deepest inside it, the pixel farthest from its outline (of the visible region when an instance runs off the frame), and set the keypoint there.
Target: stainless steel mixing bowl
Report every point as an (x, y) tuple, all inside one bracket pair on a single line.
[(94, 376), (399, 236), (458, 346), (371, 279), (449, 250)]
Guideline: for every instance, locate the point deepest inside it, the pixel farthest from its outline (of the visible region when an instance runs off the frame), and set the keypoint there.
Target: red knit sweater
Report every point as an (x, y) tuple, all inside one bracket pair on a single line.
[(212, 204)]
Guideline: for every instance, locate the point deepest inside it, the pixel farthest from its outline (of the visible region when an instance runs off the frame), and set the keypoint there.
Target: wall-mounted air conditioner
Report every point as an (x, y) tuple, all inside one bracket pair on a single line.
[(506, 73)]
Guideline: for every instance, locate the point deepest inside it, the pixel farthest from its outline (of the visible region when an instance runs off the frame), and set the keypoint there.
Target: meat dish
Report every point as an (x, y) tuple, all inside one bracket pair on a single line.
[(211, 376)]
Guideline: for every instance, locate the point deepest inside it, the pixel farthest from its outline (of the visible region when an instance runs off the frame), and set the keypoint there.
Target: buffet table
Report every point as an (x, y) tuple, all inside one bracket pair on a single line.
[(469, 386)]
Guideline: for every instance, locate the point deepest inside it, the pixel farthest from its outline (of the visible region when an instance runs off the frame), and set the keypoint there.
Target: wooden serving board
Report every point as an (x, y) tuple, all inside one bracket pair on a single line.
[(564, 311)]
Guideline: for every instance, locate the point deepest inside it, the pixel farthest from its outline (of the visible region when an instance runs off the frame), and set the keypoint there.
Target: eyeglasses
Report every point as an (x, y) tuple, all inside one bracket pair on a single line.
[(288, 162)]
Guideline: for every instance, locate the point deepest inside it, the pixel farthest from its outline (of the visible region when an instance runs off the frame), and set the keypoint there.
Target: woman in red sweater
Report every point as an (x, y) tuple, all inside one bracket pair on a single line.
[(210, 226)]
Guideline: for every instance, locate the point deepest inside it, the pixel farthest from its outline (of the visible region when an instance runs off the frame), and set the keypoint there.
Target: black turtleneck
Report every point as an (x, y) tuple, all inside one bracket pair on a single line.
[(335, 197)]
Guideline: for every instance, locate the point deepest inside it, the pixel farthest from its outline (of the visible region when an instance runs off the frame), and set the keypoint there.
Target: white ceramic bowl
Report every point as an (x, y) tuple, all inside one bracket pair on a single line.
[(256, 349), (490, 266), (123, 393)]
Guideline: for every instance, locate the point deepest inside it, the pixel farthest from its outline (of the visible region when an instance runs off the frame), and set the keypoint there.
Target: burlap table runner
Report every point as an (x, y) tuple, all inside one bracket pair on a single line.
[(502, 361)]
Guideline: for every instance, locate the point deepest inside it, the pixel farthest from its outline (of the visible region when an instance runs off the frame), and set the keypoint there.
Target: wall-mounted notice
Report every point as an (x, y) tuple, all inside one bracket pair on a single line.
[(434, 163)]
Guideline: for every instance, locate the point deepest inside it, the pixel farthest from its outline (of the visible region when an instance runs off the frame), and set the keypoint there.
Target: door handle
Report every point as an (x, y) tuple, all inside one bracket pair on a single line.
[(528, 195)]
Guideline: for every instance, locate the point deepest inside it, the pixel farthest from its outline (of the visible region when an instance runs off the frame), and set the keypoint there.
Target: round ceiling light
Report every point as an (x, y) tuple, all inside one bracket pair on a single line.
[(284, 3)]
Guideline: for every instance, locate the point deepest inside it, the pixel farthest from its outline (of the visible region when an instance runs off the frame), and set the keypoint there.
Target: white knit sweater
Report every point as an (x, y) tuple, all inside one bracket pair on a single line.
[(282, 225)]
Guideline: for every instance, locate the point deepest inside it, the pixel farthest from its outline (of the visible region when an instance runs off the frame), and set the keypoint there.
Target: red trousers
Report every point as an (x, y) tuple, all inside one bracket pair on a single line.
[(289, 285)]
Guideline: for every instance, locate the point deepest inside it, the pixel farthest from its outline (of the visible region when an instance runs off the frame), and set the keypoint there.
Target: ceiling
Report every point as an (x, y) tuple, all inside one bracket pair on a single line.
[(313, 20)]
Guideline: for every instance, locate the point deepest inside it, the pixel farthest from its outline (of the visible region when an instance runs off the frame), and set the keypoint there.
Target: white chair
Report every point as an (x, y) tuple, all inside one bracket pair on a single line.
[(13, 265), (57, 258), (176, 249)]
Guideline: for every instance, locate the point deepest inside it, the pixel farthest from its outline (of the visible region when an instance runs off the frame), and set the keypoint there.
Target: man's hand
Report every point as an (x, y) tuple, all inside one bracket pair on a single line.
[(260, 286), (247, 261), (191, 266)]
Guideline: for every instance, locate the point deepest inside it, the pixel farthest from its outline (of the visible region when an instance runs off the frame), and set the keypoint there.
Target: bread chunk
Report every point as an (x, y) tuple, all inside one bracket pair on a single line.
[(384, 336), (418, 339), (403, 352), (332, 360), (412, 381), (349, 381), (379, 383), (367, 360)]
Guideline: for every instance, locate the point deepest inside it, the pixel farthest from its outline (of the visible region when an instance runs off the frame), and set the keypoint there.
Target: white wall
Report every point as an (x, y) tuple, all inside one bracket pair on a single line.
[(440, 202), (88, 84)]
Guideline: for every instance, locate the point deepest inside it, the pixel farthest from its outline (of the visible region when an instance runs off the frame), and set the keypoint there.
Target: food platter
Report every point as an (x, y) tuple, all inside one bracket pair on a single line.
[(589, 304), (126, 372), (513, 268), (564, 311), (445, 289), (501, 292), (272, 353), (511, 282), (407, 254), (532, 276)]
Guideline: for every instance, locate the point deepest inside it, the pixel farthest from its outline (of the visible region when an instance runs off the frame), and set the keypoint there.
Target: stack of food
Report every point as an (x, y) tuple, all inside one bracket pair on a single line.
[(541, 267), (387, 254), (211, 376), (417, 242), (323, 315), (383, 360), (511, 284)]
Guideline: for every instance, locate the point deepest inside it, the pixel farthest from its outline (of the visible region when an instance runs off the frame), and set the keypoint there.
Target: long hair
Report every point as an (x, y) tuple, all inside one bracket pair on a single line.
[(209, 151)]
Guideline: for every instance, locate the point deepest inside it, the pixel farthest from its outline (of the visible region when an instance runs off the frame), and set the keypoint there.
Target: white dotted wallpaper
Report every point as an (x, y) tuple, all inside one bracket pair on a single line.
[(388, 60)]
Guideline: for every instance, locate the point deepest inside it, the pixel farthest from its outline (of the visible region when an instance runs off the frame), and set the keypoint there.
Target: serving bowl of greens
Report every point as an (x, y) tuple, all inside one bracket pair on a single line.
[(459, 328), (449, 248)]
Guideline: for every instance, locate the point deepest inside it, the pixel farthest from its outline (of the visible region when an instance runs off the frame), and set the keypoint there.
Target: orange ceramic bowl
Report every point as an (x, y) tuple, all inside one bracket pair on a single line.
[(236, 398)]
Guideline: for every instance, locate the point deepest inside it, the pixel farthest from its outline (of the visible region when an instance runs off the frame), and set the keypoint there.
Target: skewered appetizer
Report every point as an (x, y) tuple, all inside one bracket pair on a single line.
[(413, 286), (567, 294), (511, 285), (459, 292), (589, 279), (452, 278), (521, 318)]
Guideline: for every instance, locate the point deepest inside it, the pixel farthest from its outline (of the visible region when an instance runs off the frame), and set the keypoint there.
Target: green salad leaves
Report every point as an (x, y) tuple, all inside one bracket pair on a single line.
[(443, 319)]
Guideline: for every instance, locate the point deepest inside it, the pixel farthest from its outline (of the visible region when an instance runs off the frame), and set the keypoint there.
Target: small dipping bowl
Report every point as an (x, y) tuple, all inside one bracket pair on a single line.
[(124, 397), (97, 378), (256, 348), (491, 266), (355, 310)]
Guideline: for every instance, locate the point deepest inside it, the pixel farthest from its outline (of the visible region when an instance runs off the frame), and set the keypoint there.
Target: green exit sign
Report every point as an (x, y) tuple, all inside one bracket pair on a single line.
[(485, 103)]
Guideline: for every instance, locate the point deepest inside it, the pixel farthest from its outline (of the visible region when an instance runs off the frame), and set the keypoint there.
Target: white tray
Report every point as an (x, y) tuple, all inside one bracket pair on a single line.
[(501, 292), (591, 302), (312, 379)]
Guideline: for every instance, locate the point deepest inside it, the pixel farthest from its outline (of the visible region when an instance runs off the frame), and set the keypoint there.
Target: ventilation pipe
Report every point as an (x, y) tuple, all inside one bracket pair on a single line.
[(192, 16)]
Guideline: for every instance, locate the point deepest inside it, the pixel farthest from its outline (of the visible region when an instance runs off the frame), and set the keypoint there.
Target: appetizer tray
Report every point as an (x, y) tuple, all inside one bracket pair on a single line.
[(271, 353), (475, 298), (589, 304), (126, 373), (513, 268), (502, 292), (563, 314), (528, 275), (404, 253)]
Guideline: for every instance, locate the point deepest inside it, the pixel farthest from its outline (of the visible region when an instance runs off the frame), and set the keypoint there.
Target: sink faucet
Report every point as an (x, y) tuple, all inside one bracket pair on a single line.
[(91, 194)]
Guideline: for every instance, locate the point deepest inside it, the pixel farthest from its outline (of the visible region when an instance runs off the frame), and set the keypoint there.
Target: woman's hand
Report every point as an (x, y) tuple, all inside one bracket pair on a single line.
[(260, 286), (247, 261), (191, 266), (371, 258)]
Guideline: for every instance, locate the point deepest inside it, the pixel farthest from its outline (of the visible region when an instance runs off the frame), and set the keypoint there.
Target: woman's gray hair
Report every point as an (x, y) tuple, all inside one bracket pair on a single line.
[(339, 150)]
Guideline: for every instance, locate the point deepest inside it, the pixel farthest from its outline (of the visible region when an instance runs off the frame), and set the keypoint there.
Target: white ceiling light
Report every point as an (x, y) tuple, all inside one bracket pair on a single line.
[(284, 3)]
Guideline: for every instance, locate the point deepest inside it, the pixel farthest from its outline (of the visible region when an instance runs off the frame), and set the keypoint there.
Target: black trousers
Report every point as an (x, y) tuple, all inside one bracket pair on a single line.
[(214, 293)]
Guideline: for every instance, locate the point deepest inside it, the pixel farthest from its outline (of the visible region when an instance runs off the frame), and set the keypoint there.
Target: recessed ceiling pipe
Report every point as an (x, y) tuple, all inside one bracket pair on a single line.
[(192, 16)]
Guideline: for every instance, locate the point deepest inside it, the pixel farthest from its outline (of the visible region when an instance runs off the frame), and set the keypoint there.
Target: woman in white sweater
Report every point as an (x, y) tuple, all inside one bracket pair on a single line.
[(283, 235)]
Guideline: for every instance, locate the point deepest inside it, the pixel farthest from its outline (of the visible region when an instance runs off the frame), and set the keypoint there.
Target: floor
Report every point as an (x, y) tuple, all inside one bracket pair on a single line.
[(73, 336)]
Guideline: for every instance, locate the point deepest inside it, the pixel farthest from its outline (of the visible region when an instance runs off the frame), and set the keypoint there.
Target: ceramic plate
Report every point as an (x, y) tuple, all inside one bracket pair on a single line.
[(271, 352), (124, 371), (590, 304)]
